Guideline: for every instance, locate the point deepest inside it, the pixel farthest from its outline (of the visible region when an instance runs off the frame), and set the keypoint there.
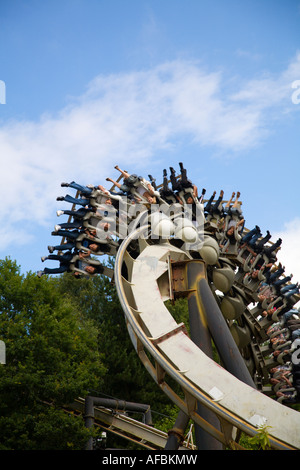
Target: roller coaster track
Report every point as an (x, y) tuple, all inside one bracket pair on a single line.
[(165, 350), (119, 423), (224, 398)]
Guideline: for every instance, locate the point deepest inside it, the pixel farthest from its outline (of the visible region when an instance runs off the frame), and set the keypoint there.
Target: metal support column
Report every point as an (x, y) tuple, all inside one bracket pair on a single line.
[(200, 335), (176, 434), (225, 344), (186, 275)]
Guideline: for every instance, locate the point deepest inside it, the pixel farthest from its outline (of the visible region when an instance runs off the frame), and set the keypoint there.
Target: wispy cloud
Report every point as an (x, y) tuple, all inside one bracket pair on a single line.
[(289, 254), (269, 90), (128, 118), (249, 55)]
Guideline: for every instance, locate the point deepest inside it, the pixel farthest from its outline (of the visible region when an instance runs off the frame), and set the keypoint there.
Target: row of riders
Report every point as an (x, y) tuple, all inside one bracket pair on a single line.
[(98, 216)]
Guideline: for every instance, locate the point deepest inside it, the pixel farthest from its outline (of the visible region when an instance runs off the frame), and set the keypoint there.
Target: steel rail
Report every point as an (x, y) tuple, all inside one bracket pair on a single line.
[(193, 393)]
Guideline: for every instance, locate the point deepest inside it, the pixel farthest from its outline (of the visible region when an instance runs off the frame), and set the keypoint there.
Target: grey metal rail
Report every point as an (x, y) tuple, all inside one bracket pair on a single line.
[(167, 351)]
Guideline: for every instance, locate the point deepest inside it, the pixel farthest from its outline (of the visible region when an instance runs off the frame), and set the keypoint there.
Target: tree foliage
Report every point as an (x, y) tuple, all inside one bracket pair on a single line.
[(66, 338), (52, 357), (125, 377)]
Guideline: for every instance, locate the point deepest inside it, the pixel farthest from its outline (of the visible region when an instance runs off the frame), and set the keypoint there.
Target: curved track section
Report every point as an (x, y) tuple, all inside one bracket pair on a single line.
[(239, 299), (168, 353)]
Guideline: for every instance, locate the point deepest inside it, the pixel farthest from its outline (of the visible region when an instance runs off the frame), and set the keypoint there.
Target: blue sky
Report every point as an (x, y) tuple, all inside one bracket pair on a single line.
[(147, 84)]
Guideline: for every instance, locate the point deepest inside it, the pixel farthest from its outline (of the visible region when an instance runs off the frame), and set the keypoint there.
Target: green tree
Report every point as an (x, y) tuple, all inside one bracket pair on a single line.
[(52, 358), (126, 378), (67, 337)]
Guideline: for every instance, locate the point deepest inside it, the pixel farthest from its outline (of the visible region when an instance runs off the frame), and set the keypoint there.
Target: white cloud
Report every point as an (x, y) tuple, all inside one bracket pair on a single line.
[(127, 118), (289, 254), (270, 90)]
